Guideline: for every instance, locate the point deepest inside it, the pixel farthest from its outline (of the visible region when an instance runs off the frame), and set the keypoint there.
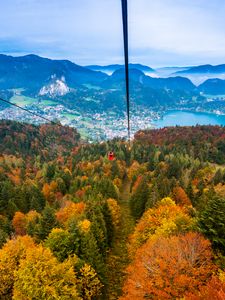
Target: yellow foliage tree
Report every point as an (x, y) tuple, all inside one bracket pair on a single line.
[(136, 169), (89, 282), (32, 216), (10, 256), (115, 211), (117, 182), (84, 225), (41, 276)]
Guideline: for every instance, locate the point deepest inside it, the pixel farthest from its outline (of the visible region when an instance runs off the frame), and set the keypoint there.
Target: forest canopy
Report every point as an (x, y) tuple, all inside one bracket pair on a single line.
[(149, 224)]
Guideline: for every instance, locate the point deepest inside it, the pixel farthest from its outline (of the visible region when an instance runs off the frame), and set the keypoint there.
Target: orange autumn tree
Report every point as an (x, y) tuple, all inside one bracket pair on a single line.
[(69, 211), (214, 290), (168, 268), (180, 196), (15, 176), (49, 191), (137, 183), (165, 219), (19, 223)]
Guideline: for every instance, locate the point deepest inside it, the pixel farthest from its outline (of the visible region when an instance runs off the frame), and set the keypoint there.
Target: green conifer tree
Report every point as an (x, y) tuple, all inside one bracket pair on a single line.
[(139, 199), (212, 222)]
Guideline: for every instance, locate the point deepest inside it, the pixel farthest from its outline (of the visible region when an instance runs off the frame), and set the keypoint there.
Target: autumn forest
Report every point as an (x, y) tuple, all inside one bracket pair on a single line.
[(147, 225)]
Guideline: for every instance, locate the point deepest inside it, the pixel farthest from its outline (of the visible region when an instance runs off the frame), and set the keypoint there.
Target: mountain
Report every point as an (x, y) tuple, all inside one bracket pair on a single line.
[(204, 69), (167, 71), (138, 77), (32, 72), (117, 79), (213, 87), (171, 83), (199, 74), (90, 99), (152, 92), (112, 68)]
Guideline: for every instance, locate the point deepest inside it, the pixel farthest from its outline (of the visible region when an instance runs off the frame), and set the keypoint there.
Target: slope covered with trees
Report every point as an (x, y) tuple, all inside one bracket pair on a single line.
[(71, 221)]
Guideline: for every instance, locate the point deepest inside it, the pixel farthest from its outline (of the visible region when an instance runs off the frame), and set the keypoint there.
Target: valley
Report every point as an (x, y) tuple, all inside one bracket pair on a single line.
[(91, 100)]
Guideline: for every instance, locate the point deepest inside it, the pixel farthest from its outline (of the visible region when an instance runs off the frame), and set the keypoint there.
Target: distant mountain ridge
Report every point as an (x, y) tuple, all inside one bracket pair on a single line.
[(43, 76), (204, 69), (79, 88), (109, 69), (137, 76), (33, 72), (200, 74)]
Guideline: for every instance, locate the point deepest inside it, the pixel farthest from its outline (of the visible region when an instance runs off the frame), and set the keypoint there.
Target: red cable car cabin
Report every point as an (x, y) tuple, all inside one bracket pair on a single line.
[(111, 155)]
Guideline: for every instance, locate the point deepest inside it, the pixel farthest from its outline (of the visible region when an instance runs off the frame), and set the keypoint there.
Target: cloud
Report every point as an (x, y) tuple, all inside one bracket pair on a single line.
[(188, 28), (162, 32)]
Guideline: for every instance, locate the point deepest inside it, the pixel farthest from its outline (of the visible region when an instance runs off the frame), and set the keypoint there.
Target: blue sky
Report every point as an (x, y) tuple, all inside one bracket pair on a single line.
[(162, 32)]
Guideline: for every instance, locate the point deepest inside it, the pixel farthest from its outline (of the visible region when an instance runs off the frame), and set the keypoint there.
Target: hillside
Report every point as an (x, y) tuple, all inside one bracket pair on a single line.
[(45, 140), (32, 72), (213, 87), (77, 226)]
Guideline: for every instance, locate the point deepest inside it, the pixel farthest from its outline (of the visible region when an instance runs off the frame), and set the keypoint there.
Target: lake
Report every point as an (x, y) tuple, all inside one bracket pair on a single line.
[(186, 118)]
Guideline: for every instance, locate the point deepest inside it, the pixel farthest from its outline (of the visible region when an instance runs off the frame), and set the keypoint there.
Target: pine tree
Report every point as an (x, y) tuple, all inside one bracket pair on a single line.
[(37, 200), (139, 199), (3, 237), (6, 194), (218, 177), (47, 223), (61, 243), (89, 252), (212, 222), (108, 223), (153, 198)]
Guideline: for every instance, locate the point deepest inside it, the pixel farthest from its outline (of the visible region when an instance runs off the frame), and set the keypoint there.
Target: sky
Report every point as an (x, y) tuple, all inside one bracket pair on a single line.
[(161, 32)]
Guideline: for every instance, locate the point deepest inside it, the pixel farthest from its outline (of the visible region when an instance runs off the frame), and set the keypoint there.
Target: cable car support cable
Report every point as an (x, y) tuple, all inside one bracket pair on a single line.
[(28, 111), (126, 58)]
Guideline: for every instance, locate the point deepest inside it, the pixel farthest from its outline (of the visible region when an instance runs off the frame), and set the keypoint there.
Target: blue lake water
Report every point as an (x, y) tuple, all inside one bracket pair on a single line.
[(186, 118)]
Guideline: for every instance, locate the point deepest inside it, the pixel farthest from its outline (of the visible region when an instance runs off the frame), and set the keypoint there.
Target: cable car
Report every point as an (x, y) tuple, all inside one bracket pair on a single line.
[(111, 156)]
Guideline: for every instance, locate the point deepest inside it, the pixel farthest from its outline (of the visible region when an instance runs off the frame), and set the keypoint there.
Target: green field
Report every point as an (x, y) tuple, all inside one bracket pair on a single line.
[(48, 103), (90, 86), (84, 133), (71, 117), (22, 100), (89, 99)]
